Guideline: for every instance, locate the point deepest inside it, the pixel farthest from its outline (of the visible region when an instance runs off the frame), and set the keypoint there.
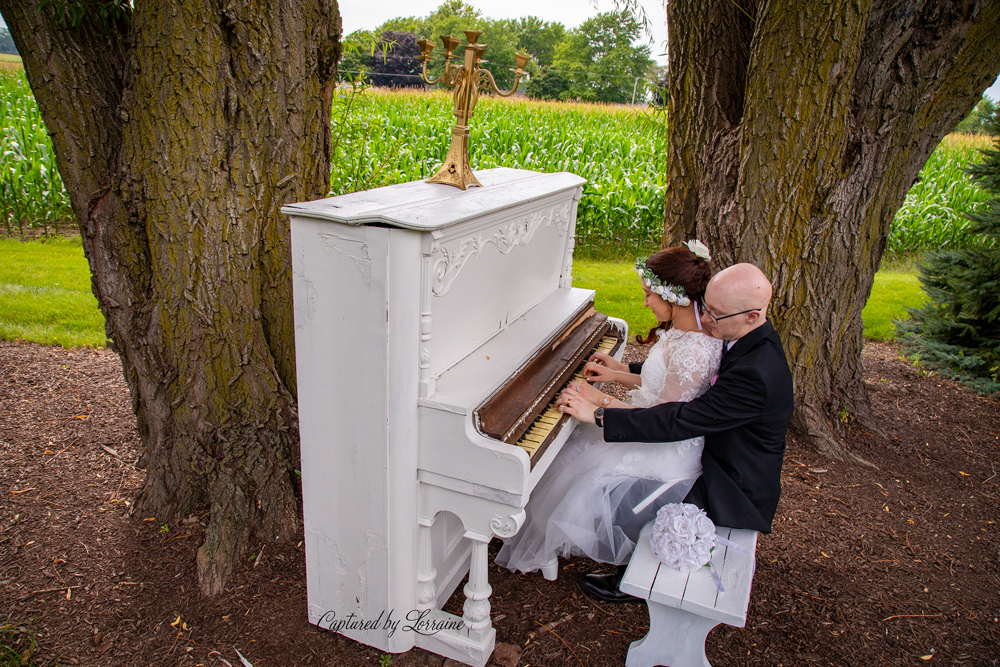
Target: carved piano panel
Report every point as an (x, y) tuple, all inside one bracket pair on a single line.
[(487, 272)]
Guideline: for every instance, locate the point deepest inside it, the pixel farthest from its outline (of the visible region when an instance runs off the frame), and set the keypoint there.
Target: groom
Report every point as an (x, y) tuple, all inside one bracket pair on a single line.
[(744, 415)]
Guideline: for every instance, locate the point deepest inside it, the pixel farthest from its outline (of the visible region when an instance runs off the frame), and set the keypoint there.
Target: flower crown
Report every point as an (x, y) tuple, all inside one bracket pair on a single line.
[(672, 293)]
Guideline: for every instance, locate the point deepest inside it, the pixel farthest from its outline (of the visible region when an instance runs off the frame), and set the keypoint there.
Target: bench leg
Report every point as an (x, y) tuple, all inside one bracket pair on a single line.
[(676, 638), (551, 568)]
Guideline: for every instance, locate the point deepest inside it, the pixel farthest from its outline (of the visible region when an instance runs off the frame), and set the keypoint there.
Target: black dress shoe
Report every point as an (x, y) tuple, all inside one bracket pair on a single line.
[(604, 587)]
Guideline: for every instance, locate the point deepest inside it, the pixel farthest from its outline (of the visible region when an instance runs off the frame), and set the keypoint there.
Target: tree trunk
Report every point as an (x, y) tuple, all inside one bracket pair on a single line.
[(795, 135), (179, 133)]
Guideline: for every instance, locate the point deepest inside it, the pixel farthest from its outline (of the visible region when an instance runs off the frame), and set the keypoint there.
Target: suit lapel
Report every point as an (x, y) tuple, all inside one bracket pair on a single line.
[(740, 347)]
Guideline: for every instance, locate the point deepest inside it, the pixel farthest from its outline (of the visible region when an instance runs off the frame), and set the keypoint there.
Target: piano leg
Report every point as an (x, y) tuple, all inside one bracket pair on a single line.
[(472, 641), (478, 591), (426, 573)]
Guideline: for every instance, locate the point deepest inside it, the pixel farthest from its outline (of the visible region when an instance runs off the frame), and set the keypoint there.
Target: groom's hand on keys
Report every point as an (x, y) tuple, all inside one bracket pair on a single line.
[(575, 404), (587, 392)]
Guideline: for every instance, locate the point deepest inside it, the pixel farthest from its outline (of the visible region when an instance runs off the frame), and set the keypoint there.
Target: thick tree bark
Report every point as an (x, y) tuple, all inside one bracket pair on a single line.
[(179, 134), (795, 134)]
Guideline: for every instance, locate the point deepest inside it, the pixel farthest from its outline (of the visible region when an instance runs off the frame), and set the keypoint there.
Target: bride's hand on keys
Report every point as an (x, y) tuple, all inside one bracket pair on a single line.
[(575, 405), (600, 367), (595, 371)]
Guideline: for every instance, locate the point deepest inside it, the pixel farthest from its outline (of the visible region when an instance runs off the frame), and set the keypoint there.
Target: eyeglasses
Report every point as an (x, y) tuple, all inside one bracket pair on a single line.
[(715, 319)]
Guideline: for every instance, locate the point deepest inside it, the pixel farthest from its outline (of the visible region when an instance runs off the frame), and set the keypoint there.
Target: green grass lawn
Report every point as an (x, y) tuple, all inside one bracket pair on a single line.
[(618, 291), (895, 290), (45, 294), (10, 58)]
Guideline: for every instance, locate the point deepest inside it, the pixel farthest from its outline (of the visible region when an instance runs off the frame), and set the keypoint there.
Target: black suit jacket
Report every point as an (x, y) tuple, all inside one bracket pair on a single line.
[(744, 417)]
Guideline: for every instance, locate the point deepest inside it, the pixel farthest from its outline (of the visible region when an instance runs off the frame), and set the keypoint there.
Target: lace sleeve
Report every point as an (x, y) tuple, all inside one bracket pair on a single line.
[(691, 362)]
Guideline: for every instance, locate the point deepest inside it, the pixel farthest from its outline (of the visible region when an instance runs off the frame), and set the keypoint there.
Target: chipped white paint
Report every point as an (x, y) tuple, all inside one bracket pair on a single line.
[(354, 248)]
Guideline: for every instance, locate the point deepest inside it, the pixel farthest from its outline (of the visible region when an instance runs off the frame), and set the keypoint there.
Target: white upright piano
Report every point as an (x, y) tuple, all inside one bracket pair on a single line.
[(433, 329)]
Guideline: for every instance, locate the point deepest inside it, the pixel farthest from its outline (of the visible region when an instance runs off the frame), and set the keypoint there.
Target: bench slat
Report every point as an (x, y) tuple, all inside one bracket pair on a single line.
[(737, 577), (684, 607), (695, 592), (642, 567), (701, 593), (670, 586)]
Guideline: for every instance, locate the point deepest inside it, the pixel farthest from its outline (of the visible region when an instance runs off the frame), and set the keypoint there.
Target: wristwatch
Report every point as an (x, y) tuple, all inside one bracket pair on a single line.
[(599, 417)]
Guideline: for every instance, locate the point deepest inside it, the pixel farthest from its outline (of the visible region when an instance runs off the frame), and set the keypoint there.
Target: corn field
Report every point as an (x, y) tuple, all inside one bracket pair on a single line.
[(932, 215), (381, 138), (392, 137), (31, 192)]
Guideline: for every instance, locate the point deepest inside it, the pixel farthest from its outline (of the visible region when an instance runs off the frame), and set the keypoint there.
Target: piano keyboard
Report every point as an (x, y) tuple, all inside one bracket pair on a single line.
[(545, 425)]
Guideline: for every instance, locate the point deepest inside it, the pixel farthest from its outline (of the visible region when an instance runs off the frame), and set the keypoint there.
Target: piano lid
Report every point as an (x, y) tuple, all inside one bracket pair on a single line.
[(427, 206)]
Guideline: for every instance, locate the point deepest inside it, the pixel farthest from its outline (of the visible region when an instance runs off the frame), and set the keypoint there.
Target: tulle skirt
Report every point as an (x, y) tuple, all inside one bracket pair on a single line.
[(585, 505)]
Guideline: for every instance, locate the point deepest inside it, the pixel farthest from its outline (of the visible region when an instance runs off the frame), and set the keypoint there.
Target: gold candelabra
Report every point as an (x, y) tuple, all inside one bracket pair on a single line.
[(466, 80)]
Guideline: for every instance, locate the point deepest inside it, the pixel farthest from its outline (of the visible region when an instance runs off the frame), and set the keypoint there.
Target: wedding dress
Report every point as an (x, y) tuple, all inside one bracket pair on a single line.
[(584, 504)]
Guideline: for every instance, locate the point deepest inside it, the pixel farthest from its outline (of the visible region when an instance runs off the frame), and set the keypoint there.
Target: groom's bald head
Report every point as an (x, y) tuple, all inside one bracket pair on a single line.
[(740, 288)]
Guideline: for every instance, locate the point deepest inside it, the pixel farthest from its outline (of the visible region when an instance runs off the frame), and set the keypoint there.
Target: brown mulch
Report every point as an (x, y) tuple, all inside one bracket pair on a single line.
[(864, 567)]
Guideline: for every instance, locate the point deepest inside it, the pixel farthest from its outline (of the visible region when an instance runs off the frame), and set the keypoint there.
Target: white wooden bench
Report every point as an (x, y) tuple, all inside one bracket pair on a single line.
[(683, 607)]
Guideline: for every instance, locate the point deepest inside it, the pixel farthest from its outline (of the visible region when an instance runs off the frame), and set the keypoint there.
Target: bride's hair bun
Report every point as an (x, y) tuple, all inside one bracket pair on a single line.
[(679, 266)]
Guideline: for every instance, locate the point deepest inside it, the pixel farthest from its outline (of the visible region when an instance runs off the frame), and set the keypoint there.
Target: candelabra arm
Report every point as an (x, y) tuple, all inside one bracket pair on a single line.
[(442, 75), (455, 80), (457, 74), (488, 83)]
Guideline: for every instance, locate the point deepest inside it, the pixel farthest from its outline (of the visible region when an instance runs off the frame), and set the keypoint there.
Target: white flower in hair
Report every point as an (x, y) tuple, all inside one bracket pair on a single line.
[(699, 249)]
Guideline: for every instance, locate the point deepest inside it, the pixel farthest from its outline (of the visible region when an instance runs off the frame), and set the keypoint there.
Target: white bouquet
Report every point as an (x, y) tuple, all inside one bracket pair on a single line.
[(683, 537)]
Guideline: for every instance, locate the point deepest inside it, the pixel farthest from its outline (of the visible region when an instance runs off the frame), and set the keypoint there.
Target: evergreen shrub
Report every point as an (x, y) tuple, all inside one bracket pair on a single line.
[(957, 333)]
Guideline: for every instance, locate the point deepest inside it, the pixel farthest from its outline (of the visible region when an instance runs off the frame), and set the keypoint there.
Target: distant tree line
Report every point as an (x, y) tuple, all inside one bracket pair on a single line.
[(6, 42), (984, 119), (394, 62), (596, 62)]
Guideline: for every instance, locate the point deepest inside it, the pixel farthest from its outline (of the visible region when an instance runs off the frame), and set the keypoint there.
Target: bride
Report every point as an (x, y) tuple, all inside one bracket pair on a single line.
[(596, 496)]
